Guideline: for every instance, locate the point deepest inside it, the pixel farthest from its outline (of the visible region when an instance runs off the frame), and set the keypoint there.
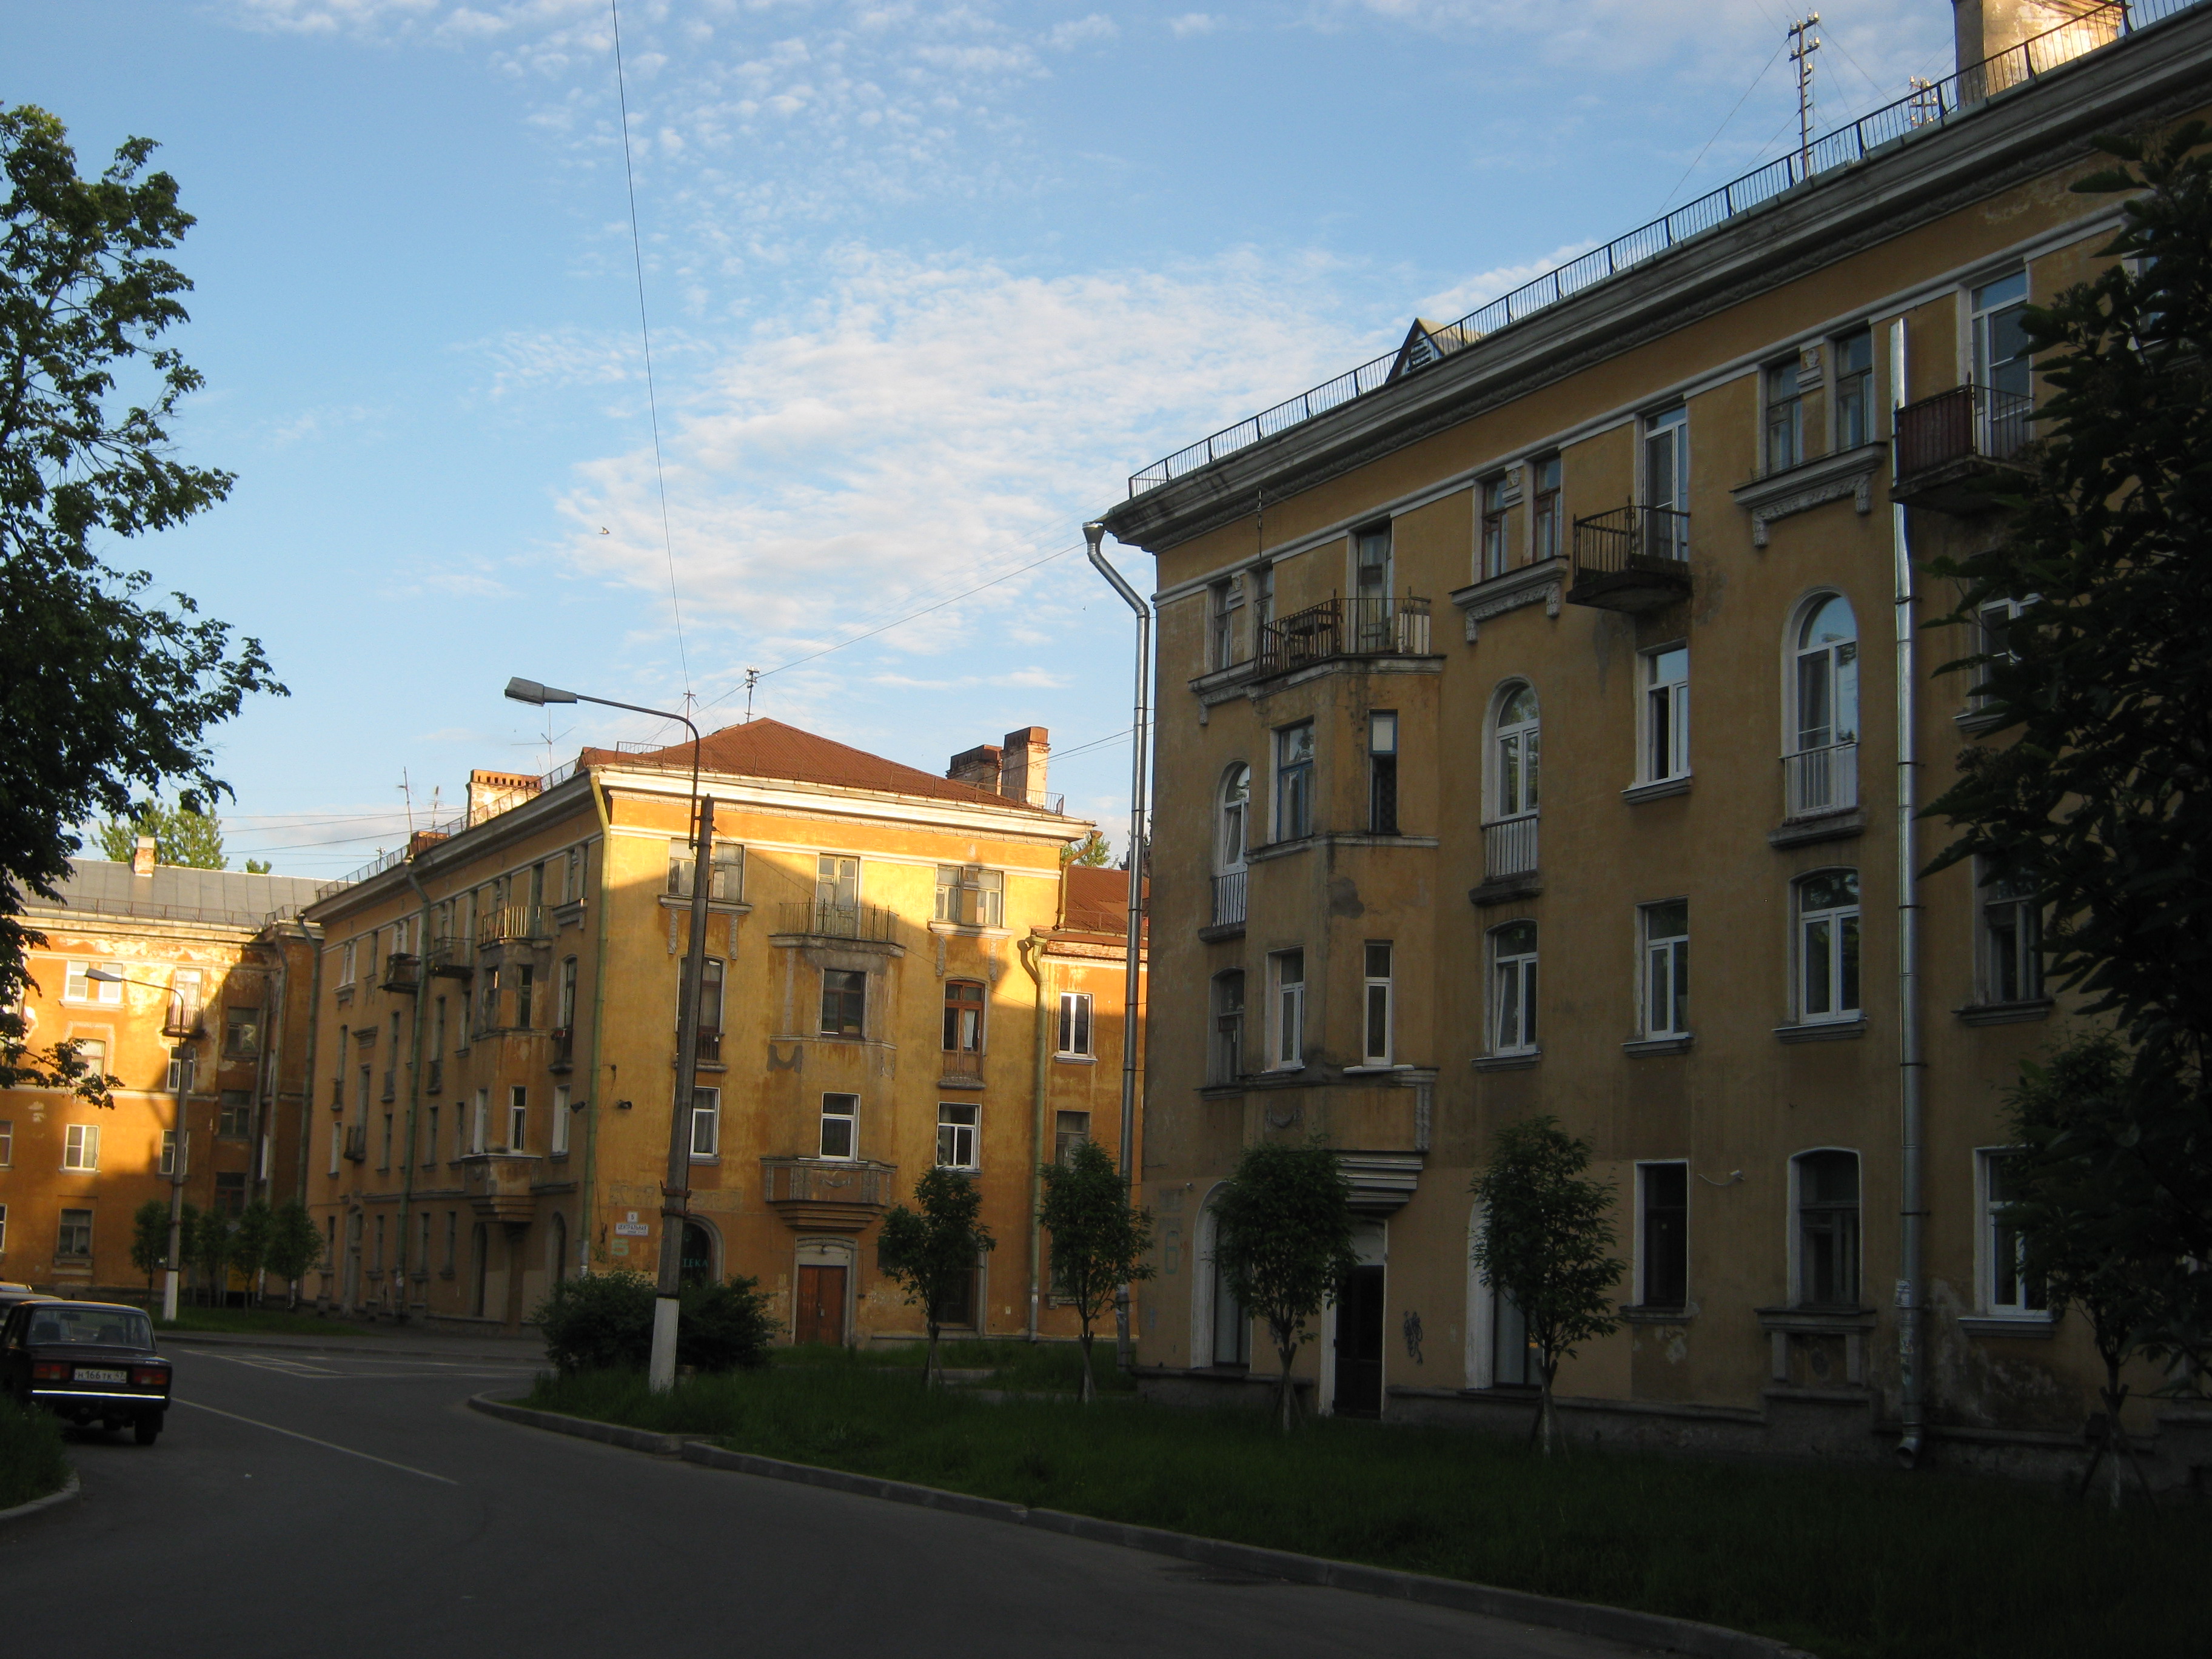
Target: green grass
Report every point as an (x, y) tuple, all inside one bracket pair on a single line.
[(264, 1322), (1023, 1367), (31, 1459), (1851, 1564)]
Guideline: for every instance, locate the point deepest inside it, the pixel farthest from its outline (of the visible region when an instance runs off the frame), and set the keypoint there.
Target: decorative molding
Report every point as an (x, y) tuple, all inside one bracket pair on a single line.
[(1221, 930), (1829, 826), (1823, 1031), (1382, 1183), (1532, 584), (1507, 1062), (1810, 484), (2004, 1013)]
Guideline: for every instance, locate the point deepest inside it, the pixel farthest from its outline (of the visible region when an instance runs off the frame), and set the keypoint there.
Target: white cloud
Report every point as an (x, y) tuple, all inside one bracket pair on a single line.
[(1449, 305), (1082, 32), (318, 422), (1194, 22)]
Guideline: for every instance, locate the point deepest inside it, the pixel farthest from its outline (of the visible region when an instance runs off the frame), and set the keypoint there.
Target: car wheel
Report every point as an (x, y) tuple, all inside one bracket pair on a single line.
[(146, 1428)]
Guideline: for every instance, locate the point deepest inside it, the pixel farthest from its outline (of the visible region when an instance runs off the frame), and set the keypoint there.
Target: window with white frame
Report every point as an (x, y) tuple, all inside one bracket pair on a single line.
[(81, 1146), (1663, 1254), (727, 884), (1667, 484), (347, 962), (1666, 712), (1382, 772), (169, 1150), (92, 1055), (78, 985), (956, 1123), (7, 1142), (1286, 973), (1372, 628), (1516, 754), (1785, 416), (1069, 1131), (1074, 1034), (558, 1140), (840, 1126), (1823, 747), (2011, 937), (1263, 602), (1513, 988), (836, 894), (1827, 906), (1666, 967), (183, 1073), (1236, 811), (74, 1237), (3, 1228), (430, 1140), (1993, 626), (1827, 1202), (1222, 601), (970, 896), (1543, 516), (2002, 353), (572, 876), (1294, 781), (2007, 1288), (1852, 422), (1226, 1053), (705, 1122), (1496, 503), (480, 1122), (1374, 1048), (518, 1118)]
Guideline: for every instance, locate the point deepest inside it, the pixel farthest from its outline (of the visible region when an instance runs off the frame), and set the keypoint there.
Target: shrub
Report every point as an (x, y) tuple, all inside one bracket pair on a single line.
[(604, 1322), (31, 1461)]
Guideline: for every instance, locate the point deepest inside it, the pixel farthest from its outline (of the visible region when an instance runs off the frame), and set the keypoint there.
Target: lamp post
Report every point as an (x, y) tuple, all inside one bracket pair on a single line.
[(182, 1063), (676, 1190)]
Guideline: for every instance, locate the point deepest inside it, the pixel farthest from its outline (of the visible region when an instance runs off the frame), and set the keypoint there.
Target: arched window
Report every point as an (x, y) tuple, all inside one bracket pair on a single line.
[(1232, 831), (1509, 835), (1823, 735), (1223, 1336), (697, 1260)]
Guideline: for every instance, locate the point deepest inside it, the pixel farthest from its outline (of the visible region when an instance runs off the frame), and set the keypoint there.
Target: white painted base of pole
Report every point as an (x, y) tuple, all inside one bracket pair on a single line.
[(660, 1375), (169, 1295)]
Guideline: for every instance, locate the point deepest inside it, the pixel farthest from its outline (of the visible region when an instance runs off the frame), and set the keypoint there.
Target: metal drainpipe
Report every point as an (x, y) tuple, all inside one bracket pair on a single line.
[(307, 1076), (1912, 1361), (599, 1029), (1094, 533), (271, 1085), (1032, 951), (414, 1090)]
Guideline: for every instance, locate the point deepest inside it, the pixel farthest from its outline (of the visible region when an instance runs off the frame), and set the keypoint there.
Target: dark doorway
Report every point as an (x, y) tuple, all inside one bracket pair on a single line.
[(820, 1314), (696, 1263), (1359, 1345)]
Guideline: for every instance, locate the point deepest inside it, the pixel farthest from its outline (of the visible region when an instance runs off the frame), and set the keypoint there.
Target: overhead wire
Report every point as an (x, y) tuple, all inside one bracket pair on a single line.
[(1719, 130)]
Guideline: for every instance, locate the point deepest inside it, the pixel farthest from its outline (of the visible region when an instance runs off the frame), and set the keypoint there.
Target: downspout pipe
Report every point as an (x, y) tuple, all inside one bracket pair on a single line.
[(1911, 1066), (599, 1031), (1031, 950), (307, 1075), (414, 1084), (1094, 534)]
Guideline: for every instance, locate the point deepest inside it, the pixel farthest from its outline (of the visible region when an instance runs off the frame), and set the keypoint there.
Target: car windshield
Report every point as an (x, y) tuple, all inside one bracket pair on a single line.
[(111, 1328)]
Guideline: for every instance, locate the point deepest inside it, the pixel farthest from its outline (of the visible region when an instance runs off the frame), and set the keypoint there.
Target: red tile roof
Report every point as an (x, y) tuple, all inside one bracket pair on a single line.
[(1097, 900), (769, 749)]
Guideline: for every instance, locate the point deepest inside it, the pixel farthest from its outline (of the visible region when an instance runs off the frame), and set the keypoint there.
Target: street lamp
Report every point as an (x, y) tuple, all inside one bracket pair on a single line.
[(676, 1190), (109, 976)]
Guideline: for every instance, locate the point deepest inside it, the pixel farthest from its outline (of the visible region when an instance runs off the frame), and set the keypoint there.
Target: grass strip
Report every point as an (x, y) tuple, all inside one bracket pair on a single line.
[(1849, 1563), (264, 1322), (32, 1462)]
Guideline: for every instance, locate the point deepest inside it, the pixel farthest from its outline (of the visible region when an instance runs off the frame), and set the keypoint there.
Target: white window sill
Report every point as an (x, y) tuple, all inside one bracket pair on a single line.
[(1823, 1031), (1373, 1071), (1077, 1059), (1675, 1043), (2026, 1326), (970, 930), (1512, 1060), (1657, 789), (706, 1158)]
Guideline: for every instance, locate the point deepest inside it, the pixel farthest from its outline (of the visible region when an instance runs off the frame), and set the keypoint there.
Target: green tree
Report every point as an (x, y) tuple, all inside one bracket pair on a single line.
[(1099, 1239), (1283, 1243), (1091, 851), (210, 1250), (259, 866), (181, 836), (125, 694), (150, 1239), (1546, 1232), (932, 1250), (294, 1246), (249, 1243), (2094, 778)]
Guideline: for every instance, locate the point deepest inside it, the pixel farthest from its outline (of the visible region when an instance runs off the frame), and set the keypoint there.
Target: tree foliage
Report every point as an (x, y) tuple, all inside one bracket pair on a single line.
[(208, 1246), (1099, 1238), (1545, 1243), (181, 836), (249, 1242), (604, 1321), (930, 1251), (150, 1238), (1283, 1243), (121, 694), (2094, 779), (1091, 851), (294, 1246)]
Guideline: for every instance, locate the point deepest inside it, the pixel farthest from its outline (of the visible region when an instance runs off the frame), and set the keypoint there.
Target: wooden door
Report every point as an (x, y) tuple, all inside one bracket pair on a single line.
[(820, 1314)]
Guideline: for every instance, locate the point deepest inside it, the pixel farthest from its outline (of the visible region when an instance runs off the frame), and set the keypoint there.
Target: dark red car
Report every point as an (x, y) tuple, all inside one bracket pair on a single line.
[(88, 1362)]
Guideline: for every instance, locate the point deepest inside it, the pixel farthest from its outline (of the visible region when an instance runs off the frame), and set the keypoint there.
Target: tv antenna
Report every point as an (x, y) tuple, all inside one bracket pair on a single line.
[(1802, 48), (752, 679)]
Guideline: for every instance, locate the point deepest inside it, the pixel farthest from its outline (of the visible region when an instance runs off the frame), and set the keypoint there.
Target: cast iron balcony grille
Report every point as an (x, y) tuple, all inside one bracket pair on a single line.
[(1509, 848), (564, 1046), (1816, 782), (1229, 899), (825, 920), (504, 923), (402, 972), (449, 958), (1945, 443), (1633, 558), (1367, 627), (434, 1077)]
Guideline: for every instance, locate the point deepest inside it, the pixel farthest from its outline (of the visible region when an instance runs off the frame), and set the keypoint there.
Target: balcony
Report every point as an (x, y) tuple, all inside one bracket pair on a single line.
[(1816, 782), (963, 1069), (1509, 860), (402, 972), (357, 1143), (449, 958), (433, 1076), (710, 1047), (820, 1195), (1947, 446), (498, 1185), (1633, 558), (1386, 627), (823, 918), (512, 924), (564, 1047), (1229, 899), (183, 1019)]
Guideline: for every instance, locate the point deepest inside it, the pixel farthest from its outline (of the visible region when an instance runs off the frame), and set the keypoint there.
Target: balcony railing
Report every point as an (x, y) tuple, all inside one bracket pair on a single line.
[(1945, 442), (433, 1076), (449, 958), (1820, 781), (710, 1047), (564, 1046), (963, 1063), (1229, 899), (820, 1195), (1633, 558), (1384, 627), (826, 919), (402, 972), (1509, 848), (357, 1143), (510, 922), (183, 1020)]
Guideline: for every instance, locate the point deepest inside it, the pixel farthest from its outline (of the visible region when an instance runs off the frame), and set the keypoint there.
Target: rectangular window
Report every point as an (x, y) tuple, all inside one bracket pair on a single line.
[(1263, 600), (480, 1123), (1828, 1230), (235, 1114), (384, 1145), (840, 1126), (338, 1146), (711, 971), (1663, 1256), (572, 876), (2005, 1288), (242, 1033), (230, 1193), (963, 1024), (518, 1118), (705, 1122), (76, 987), (3, 1228), (1294, 766), (81, 1146), (1854, 423), (487, 1004), (1544, 518), (1513, 988), (430, 1140), (1222, 602), (526, 987), (1496, 501), (844, 1002), (564, 1007), (1381, 773), (1667, 484), (1070, 1130), (1227, 1053), (727, 883), (1785, 416), (1375, 1050), (955, 1134), (2012, 940), (968, 896), (1372, 628), (836, 888), (2000, 347), (169, 1151), (558, 1140), (1075, 1023), (1993, 626), (1828, 945), (1287, 968), (346, 963), (75, 1236), (1666, 712), (438, 1029), (7, 1142), (1667, 969), (452, 1238), (92, 1051)]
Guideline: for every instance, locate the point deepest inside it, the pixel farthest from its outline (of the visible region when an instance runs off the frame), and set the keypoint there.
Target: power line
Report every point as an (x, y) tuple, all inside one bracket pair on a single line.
[(1719, 130)]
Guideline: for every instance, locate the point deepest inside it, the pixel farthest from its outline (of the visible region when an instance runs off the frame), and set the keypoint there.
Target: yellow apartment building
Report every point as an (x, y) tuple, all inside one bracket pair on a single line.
[(901, 972), (209, 1013), (1544, 744)]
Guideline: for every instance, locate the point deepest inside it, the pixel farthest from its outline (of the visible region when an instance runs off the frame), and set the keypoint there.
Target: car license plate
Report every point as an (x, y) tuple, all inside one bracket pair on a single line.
[(100, 1374)]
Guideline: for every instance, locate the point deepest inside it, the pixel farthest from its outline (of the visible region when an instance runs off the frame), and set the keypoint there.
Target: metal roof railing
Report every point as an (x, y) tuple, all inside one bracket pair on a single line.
[(1928, 106), (497, 805)]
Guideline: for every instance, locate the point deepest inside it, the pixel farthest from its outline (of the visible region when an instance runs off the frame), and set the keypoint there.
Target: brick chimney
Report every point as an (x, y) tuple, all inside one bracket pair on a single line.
[(978, 766), (1021, 770), (142, 857)]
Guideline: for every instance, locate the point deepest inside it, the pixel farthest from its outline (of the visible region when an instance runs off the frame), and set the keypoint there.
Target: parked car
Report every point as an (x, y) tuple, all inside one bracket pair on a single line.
[(88, 1362), (12, 1294)]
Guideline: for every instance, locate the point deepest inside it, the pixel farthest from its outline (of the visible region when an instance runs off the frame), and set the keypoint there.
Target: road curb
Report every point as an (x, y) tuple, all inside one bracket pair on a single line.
[(1649, 1630), (25, 1511), (373, 1346)]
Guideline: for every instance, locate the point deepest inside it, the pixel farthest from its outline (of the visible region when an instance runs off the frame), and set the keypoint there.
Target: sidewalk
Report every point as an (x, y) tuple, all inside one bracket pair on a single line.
[(411, 1342)]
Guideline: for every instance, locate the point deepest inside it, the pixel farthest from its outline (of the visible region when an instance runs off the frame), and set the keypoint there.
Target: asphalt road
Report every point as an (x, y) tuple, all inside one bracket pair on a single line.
[(306, 1503)]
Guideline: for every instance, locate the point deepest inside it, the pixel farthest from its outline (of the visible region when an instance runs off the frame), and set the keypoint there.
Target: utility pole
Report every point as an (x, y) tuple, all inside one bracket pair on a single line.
[(1801, 53)]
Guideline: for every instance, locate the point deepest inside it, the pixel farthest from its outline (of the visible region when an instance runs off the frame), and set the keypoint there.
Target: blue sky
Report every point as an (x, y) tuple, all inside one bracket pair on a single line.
[(925, 284)]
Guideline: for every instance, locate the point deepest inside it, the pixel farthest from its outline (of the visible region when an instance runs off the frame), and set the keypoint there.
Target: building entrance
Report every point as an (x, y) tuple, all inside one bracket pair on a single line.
[(1359, 1345), (819, 1316)]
